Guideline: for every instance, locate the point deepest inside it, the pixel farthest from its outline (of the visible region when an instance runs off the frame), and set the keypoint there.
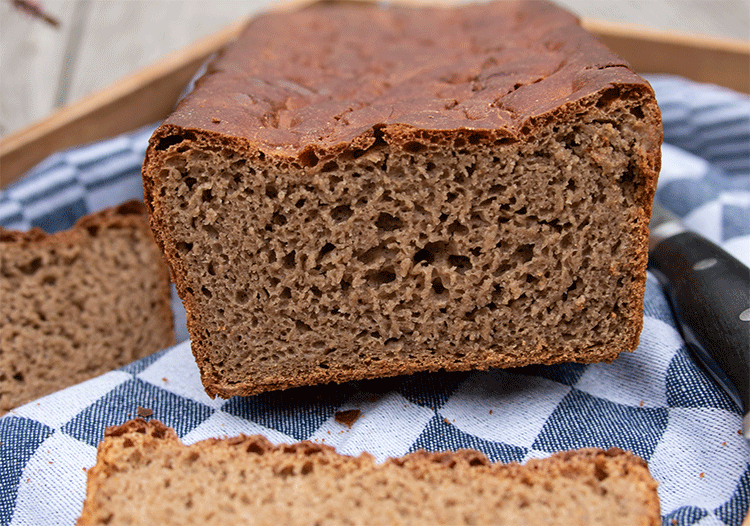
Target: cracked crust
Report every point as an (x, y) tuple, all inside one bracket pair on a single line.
[(453, 72)]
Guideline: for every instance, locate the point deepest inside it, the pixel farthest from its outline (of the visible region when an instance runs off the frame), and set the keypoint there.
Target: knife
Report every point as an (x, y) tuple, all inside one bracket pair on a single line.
[(709, 291)]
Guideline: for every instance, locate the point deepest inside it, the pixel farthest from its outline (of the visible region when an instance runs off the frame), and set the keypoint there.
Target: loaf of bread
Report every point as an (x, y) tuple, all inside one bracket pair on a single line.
[(145, 475), (356, 190), (79, 303)]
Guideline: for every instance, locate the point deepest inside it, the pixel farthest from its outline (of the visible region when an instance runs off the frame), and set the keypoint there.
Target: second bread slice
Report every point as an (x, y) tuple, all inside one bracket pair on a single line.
[(79, 303), (145, 475)]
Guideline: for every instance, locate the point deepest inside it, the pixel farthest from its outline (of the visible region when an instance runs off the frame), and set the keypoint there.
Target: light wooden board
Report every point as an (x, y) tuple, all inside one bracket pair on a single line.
[(153, 29), (31, 57)]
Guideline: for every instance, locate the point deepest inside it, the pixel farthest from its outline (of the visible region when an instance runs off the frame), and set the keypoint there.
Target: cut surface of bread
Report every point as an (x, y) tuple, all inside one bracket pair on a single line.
[(400, 189), (145, 475), (79, 303)]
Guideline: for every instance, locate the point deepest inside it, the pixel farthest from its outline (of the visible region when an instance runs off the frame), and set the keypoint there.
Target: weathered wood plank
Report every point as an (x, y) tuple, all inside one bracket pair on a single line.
[(31, 56), (125, 35), (718, 18), (144, 97)]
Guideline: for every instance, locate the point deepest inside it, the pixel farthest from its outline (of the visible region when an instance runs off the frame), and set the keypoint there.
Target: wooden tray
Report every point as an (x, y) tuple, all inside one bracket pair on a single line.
[(148, 95)]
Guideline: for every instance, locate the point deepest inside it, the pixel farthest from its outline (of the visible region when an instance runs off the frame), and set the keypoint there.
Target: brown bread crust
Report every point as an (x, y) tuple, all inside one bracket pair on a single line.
[(297, 102), (372, 91), (618, 484), (80, 302)]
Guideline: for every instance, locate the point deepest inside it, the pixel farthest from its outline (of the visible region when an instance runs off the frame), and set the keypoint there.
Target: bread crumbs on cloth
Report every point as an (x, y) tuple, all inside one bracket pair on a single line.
[(348, 417)]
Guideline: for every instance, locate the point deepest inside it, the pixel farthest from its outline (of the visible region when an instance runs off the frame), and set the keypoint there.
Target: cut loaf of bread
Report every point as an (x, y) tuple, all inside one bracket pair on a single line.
[(145, 475), (356, 191), (79, 303)]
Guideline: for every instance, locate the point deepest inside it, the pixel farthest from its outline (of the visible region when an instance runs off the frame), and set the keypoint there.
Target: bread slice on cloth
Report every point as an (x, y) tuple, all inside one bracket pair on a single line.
[(145, 475), (78, 303)]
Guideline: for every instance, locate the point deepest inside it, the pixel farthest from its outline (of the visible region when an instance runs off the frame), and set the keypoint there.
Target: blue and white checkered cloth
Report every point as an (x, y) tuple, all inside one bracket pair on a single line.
[(656, 401)]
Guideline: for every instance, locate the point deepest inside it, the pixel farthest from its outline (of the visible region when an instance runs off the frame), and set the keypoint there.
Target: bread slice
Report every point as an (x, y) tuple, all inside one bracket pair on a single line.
[(145, 475), (397, 189), (79, 303)]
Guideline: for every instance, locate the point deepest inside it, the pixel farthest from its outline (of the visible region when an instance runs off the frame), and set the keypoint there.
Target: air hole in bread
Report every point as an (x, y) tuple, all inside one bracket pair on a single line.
[(255, 449), (573, 286), (328, 247), (183, 247), (437, 286), (341, 213), (381, 277), (31, 267), (477, 221), (388, 222), (307, 468), (379, 252), (430, 253), (330, 166), (308, 158), (457, 228), (170, 140), (607, 97), (211, 231), (526, 252), (278, 219), (460, 263), (497, 189), (487, 202), (414, 147)]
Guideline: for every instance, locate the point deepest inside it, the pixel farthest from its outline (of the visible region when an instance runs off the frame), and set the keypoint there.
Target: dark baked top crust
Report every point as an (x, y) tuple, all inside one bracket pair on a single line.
[(349, 68)]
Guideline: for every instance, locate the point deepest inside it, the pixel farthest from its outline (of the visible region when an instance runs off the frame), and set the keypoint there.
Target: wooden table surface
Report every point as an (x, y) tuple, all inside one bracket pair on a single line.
[(100, 41)]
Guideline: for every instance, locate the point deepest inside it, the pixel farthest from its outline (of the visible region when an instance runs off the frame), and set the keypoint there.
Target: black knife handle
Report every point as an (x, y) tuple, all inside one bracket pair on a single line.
[(709, 291)]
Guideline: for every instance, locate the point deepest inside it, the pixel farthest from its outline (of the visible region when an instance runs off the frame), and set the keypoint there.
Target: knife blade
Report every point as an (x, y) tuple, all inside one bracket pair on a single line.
[(709, 292)]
